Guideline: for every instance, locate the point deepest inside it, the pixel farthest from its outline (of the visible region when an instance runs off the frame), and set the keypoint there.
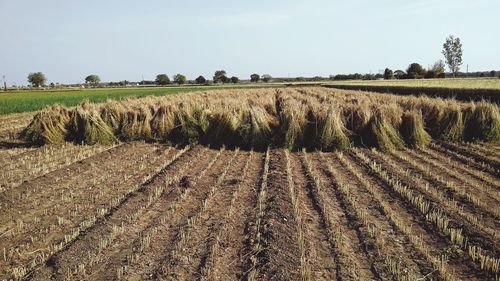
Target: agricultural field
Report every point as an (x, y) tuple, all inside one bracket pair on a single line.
[(457, 83), (254, 184), (470, 89), (17, 101)]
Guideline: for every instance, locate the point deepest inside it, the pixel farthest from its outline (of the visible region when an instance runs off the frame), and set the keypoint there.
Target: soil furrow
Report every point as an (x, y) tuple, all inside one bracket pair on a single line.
[(172, 267), (475, 188), (188, 262), (14, 176), (446, 256), (280, 255), (480, 150), (58, 236), (73, 205), (255, 241), (8, 156), (467, 170), (491, 166), (108, 244), (390, 245), (466, 160), (85, 174), (319, 252), (354, 260), (233, 255), (481, 230), (151, 248), (452, 198), (207, 268)]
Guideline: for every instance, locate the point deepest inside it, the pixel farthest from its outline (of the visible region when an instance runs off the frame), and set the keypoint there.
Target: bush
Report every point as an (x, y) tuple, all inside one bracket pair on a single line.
[(415, 71)]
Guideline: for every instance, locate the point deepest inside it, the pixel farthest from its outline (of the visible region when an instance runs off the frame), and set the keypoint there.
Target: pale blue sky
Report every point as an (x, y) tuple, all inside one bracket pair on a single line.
[(124, 39)]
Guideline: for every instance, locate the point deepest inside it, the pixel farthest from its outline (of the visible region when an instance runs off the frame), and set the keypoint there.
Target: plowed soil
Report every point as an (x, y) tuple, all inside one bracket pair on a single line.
[(139, 211)]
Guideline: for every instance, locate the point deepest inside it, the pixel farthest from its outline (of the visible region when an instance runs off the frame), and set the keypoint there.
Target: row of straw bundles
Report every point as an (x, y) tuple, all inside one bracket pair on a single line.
[(312, 118), (444, 119)]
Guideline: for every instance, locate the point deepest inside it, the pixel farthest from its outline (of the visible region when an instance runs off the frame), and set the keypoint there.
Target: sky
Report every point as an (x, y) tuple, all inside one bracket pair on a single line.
[(128, 40)]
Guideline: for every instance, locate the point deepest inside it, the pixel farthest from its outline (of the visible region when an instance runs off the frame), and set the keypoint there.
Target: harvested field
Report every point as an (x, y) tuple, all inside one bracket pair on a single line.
[(12, 125), (148, 211), (135, 210)]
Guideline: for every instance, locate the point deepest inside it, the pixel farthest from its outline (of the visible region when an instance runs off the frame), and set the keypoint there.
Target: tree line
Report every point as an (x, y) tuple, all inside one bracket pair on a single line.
[(452, 52), (38, 79)]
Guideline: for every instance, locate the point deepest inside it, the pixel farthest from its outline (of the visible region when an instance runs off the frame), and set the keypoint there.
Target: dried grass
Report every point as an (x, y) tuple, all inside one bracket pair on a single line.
[(413, 131), (48, 126), (315, 118)]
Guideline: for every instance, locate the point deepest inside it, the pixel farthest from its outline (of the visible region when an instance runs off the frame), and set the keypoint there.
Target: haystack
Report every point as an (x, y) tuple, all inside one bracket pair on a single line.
[(87, 127), (48, 126), (482, 123), (163, 122), (331, 133), (136, 124), (412, 130), (380, 133)]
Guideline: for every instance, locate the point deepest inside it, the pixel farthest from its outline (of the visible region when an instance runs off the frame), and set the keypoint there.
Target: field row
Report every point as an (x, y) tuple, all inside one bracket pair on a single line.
[(144, 211)]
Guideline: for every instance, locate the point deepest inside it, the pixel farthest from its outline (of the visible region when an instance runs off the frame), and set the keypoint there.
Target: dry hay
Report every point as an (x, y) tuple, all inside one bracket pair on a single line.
[(314, 118), (48, 126)]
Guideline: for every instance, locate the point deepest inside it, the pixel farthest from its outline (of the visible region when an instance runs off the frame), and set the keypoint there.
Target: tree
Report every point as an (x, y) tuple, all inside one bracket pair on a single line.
[(220, 76), (399, 74), (266, 78), (235, 79), (388, 74), (493, 73), (162, 79), (37, 79), (452, 51), (430, 74), (179, 79), (415, 71), (201, 80), (254, 78), (438, 68), (368, 76), (93, 79)]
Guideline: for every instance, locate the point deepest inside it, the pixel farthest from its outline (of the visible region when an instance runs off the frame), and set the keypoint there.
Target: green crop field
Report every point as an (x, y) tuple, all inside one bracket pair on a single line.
[(459, 83), (24, 101)]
